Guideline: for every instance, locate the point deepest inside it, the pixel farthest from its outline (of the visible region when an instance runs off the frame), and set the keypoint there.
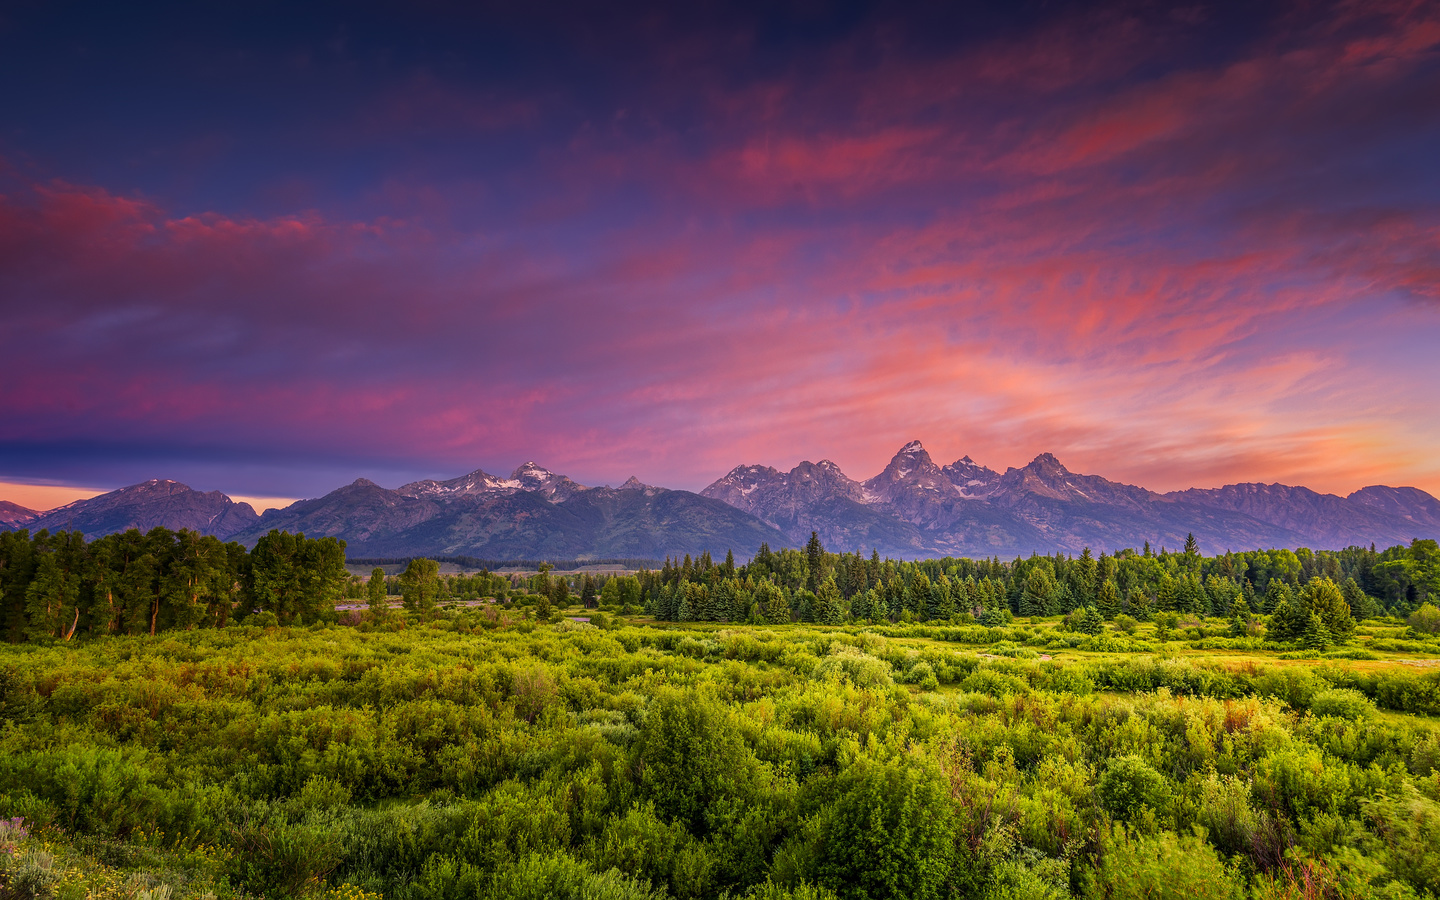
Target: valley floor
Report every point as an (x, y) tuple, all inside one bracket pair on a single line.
[(484, 754)]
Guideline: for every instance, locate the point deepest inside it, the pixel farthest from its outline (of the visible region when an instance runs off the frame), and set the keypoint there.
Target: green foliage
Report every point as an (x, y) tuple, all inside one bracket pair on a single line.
[(296, 578), (1342, 703), (420, 587), (691, 756), (888, 833), (282, 860), (1130, 786), (1426, 619), (1161, 867)]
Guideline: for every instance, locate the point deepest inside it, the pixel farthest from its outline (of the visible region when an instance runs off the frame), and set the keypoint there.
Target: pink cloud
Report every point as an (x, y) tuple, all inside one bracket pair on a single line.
[(1020, 248)]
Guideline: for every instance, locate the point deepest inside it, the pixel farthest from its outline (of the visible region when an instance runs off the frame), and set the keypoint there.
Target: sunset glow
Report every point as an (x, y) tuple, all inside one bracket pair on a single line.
[(1173, 249)]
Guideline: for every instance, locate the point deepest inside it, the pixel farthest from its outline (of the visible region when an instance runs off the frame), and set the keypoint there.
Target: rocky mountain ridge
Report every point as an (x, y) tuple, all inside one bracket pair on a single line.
[(916, 507), (912, 508)]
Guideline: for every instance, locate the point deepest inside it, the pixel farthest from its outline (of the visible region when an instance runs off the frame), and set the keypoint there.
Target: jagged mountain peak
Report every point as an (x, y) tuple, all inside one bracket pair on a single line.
[(1046, 477), (155, 486), (534, 477), (910, 460), (1047, 462), (471, 484), (911, 473), (363, 482), (972, 480), (823, 469)]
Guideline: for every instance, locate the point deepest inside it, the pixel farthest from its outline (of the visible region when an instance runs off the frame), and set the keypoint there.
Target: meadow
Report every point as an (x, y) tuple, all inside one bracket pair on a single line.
[(502, 752)]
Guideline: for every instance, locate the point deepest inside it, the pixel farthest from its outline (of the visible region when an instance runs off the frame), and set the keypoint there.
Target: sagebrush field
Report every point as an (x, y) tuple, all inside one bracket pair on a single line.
[(484, 755)]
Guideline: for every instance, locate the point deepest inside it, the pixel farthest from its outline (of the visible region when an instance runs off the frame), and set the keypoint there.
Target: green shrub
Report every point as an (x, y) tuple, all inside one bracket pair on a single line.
[(1342, 703), (855, 666), (1409, 827), (1426, 619), (28, 875), (922, 675), (1162, 867), (1130, 785), (1296, 685), (888, 833), (986, 680), (281, 860), (691, 755), (769, 890)]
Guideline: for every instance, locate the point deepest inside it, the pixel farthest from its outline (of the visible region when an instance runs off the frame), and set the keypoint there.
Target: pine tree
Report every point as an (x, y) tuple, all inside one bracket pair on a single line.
[(828, 608), (1090, 621), (1038, 595), (1167, 594), (772, 599), (1289, 621), (1275, 592), (1362, 605), (1107, 599), (668, 607), (1239, 609), (719, 598), (1324, 598), (1316, 636), (815, 560), (1084, 583), (860, 605), (1192, 549), (1141, 606)]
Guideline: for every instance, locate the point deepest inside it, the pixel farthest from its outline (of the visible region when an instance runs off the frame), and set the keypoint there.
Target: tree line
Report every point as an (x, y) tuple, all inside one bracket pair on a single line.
[(58, 585), (1302, 592)]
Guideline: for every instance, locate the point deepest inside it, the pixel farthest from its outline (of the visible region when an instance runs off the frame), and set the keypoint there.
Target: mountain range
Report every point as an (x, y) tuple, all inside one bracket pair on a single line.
[(913, 508)]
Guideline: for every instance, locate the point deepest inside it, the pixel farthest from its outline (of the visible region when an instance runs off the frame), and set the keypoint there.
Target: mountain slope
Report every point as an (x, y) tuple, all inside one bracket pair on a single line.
[(518, 523), (1411, 504), (13, 515), (1319, 520), (152, 504)]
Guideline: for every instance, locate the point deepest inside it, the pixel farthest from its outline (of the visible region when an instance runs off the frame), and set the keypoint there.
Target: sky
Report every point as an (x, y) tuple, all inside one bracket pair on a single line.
[(270, 248)]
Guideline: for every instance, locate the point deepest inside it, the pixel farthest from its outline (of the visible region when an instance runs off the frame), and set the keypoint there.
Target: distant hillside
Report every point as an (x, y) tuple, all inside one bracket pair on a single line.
[(13, 515), (508, 522), (154, 503), (913, 508)]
